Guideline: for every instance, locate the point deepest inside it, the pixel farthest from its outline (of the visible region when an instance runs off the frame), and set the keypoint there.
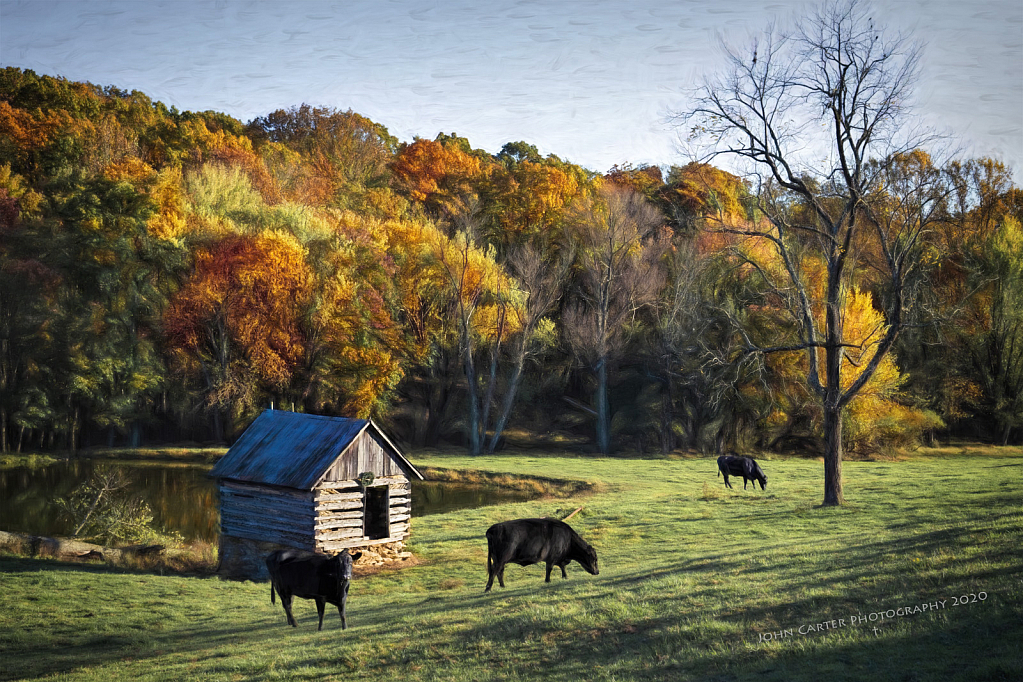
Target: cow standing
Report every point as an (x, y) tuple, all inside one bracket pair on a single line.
[(746, 467), (531, 541), (294, 573)]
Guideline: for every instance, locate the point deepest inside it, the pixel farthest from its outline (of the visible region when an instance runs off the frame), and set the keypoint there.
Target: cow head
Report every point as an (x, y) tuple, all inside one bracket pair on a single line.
[(762, 478), (588, 560), (345, 561)]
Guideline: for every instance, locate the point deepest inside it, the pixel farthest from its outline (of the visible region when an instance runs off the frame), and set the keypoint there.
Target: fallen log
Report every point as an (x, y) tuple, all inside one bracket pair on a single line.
[(62, 547), (572, 514)]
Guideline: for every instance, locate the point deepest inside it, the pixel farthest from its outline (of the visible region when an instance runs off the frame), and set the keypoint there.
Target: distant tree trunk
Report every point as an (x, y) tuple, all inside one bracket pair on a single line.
[(488, 398), (437, 406), (74, 432), (509, 400), (420, 417), (667, 437), (603, 410), (470, 377)]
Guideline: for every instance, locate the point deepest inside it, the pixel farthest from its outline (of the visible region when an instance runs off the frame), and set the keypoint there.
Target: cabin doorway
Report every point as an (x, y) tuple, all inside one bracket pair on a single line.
[(376, 514)]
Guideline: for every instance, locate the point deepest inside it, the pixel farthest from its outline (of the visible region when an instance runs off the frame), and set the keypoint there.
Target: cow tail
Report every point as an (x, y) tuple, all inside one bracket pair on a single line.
[(272, 600)]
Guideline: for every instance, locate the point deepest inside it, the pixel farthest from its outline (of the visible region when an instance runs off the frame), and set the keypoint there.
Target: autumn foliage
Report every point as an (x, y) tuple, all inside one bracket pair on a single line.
[(166, 275)]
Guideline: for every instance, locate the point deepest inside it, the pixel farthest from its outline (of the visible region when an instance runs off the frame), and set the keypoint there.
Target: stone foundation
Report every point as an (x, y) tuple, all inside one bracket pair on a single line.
[(243, 558)]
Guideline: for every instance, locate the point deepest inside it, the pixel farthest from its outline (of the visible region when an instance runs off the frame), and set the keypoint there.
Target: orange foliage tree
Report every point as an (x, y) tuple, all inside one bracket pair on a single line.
[(437, 175), (354, 344), (235, 323)]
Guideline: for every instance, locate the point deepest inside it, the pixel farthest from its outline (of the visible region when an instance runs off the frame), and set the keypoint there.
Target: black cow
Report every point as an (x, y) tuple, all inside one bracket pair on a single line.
[(531, 541), (294, 573), (746, 467)]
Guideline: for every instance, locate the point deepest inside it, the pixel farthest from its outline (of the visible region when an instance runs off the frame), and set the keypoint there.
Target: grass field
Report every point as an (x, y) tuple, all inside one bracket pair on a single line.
[(696, 582)]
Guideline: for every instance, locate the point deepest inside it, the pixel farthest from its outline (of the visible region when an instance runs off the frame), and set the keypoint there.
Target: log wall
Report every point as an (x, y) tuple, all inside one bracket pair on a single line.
[(266, 514), (255, 518), (339, 508)]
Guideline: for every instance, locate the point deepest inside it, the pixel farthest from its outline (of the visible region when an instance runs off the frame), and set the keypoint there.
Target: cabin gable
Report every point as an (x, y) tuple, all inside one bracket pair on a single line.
[(367, 453)]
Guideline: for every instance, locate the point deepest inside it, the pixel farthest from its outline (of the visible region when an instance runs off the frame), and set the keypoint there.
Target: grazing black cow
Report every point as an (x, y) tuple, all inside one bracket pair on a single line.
[(530, 541), (294, 573), (746, 467)]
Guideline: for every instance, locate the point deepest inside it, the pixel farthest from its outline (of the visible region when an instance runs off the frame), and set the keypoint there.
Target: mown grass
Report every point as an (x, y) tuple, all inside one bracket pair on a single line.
[(692, 575)]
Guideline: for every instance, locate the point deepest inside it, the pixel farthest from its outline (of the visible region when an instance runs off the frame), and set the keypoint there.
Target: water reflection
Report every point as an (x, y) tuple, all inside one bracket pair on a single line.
[(437, 497), (183, 498)]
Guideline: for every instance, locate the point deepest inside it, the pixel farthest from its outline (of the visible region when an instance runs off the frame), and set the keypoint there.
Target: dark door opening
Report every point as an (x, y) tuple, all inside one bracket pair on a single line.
[(377, 512)]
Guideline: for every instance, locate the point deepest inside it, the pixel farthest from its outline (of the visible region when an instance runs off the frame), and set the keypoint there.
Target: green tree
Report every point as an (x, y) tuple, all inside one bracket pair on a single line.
[(115, 282)]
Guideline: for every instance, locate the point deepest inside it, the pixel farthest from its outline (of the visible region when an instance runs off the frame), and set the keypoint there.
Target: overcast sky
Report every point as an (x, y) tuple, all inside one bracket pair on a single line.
[(592, 81)]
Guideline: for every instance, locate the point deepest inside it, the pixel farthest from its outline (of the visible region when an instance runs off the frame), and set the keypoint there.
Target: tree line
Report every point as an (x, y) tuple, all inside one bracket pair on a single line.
[(166, 275)]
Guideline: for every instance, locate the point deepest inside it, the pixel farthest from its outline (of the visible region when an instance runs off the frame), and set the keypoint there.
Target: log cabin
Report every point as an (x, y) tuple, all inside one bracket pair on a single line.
[(310, 482)]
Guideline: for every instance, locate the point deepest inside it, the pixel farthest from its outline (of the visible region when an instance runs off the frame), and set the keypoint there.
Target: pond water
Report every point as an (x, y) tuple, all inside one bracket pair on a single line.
[(183, 498)]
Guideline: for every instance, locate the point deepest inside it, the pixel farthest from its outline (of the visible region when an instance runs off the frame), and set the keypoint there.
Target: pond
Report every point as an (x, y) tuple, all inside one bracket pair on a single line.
[(183, 498)]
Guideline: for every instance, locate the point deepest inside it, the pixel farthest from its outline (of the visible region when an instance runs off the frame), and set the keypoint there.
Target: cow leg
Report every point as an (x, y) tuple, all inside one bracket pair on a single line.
[(727, 484), (341, 607), (549, 567), (563, 574), (744, 482), (320, 604), (490, 570), (494, 569), (286, 603)]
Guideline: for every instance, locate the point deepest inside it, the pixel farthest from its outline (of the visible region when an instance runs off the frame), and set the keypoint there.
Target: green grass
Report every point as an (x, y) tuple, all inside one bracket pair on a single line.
[(692, 574), (31, 461)]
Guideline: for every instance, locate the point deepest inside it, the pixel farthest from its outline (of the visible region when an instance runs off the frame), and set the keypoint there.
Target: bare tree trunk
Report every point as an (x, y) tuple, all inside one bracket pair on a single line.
[(833, 457)]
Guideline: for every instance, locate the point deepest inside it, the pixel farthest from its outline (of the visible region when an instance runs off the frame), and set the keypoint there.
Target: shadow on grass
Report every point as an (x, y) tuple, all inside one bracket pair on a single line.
[(221, 641), (15, 564)]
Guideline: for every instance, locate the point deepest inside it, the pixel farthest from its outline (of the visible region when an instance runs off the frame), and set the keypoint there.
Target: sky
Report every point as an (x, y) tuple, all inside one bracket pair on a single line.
[(592, 81)]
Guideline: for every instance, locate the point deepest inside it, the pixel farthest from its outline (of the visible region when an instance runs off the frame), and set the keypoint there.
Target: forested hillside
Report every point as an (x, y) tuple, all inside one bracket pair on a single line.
[(166, 275)]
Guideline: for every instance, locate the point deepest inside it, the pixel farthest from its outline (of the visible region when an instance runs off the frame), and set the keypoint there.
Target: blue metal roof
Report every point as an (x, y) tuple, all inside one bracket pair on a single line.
[(293, 450)]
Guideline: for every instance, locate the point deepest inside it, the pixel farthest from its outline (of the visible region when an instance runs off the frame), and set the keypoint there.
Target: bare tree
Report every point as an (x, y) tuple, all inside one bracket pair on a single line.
[(478, 289), (541, 282), (818, 117), (619, 274), (468, 293)]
